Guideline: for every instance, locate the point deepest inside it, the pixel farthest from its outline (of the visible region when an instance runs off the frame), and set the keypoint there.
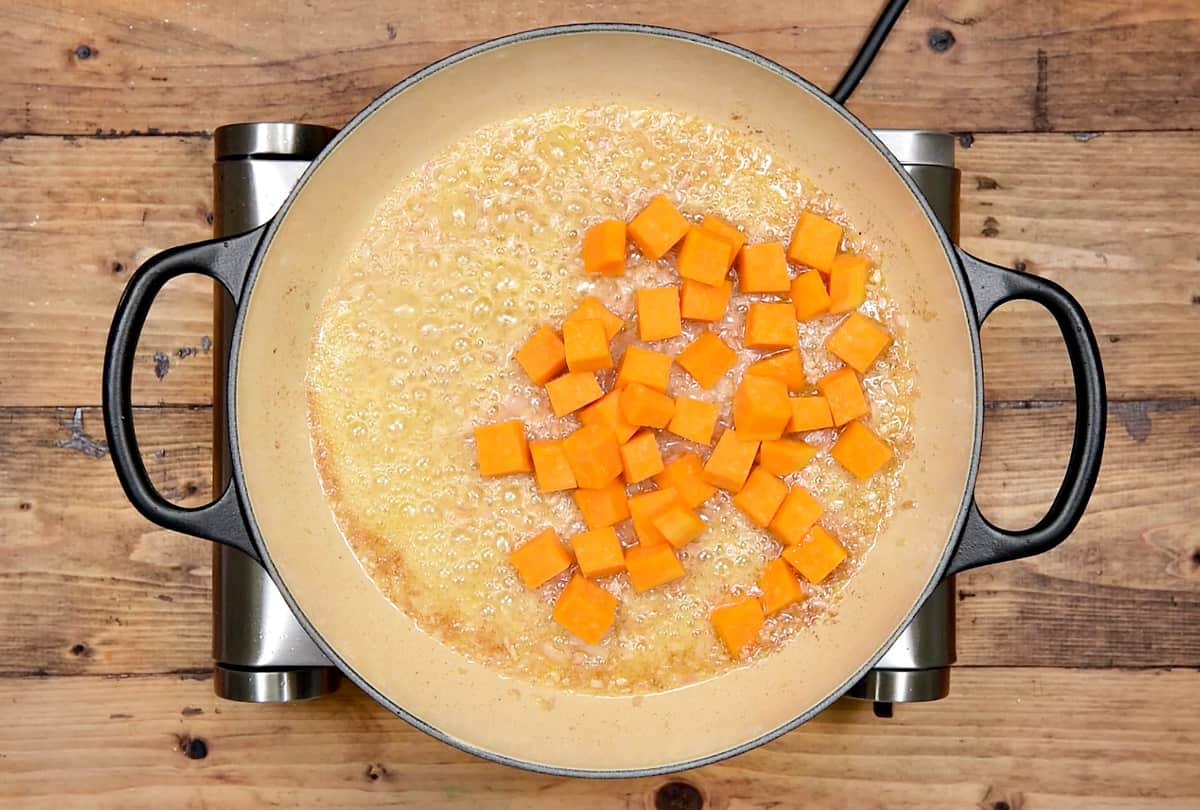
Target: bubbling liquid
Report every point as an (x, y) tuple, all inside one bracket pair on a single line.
[(464, 259)]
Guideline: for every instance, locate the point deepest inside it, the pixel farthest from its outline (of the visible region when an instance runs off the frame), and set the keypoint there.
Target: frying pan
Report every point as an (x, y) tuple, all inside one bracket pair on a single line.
[(274, 508)]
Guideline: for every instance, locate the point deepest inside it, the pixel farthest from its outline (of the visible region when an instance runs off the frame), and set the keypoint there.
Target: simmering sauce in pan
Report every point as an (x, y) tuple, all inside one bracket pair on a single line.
[(464, 259)]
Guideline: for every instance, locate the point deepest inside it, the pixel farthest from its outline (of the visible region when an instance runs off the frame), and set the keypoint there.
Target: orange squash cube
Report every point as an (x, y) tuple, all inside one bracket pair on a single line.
[(844, 394), (785, 456), (686, 476), (769, 326), (646, 506), (602, 507), (726, 231), (787, 366), (796, 515), (809, 296), (730, 461), (540, 559), (815, 241), (652, 566), (848, 283), (551, 469), (586, 345), (857, 341), (816, 556), (694, 420), (590, 307), (700, 302), (594, 456), (641, 458), (704, 256), (604, 248), (572, 391), (761, 409), (643, 406), (738, 624), (779, 587), (543, 356), (762, 268), (585, 610), (657, 228), (651, 369), (598, 553), (860, 451), (679, 525), (658, 313), (502, 448), (809, 413), (761, 497), (706, 359), (607, 411)]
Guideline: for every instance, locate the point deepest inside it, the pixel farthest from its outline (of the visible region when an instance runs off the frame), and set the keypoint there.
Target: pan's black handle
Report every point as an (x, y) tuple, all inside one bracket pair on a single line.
[(227, 261), (981, 542)]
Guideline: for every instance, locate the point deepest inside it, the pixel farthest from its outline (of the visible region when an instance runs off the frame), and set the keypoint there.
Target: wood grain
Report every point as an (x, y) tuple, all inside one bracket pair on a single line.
[(1118, 212), (962, 65), (1031, 739)]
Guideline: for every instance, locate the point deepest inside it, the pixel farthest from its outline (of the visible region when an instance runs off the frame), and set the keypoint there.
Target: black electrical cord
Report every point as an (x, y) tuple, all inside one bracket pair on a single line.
[(866, 54)]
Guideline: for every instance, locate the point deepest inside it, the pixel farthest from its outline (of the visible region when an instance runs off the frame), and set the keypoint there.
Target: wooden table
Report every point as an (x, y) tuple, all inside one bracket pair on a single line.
[(1078, 669)]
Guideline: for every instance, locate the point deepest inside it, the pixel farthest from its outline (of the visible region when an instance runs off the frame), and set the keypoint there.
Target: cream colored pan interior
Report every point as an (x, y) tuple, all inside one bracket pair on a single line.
[(471, 704)]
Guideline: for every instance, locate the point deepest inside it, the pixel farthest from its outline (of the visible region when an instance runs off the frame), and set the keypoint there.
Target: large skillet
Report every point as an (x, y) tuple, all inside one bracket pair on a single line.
[(275, 511)]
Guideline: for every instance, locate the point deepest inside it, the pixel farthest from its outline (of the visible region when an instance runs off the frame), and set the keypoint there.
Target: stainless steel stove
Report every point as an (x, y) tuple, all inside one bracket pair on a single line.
[(262, 654)]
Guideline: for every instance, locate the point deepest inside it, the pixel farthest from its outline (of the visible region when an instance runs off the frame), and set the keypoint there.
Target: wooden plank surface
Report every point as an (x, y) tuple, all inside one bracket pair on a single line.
[(137, 65), (1117, 212), (1047, 739)]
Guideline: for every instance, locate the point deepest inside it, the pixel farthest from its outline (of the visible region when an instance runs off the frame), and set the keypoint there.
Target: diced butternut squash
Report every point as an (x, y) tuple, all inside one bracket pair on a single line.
[(643, 406), (796, 515), (815, 241), (585, 610), (679, 525), (785, 456), (572, 391), (602, 507), (769, 325), (590, 307), (641, 458), (706, 359), (543, 356), (761, 497), (607, 411), (858, 340), (730, 461), (704, 256), (646, 506), (604, 248), (787, 366), (657, 228), (816, 556), (762, 268), (540, 559), (694, 420), (598, 553), (551, 469), (809, 413), (701, 302), (594, 456), (502, 449), (761, 409), (809, 296), (860, 451), (723, 229), (652, 566), (686, 476), (738, 624), (651, 369), (845, 396), (658, 313), (848, 283), (779, 587), (586, 345)]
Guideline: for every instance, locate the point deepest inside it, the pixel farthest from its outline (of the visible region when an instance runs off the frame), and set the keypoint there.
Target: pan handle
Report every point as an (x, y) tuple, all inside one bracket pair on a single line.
[(227, 261), (982, 543)]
